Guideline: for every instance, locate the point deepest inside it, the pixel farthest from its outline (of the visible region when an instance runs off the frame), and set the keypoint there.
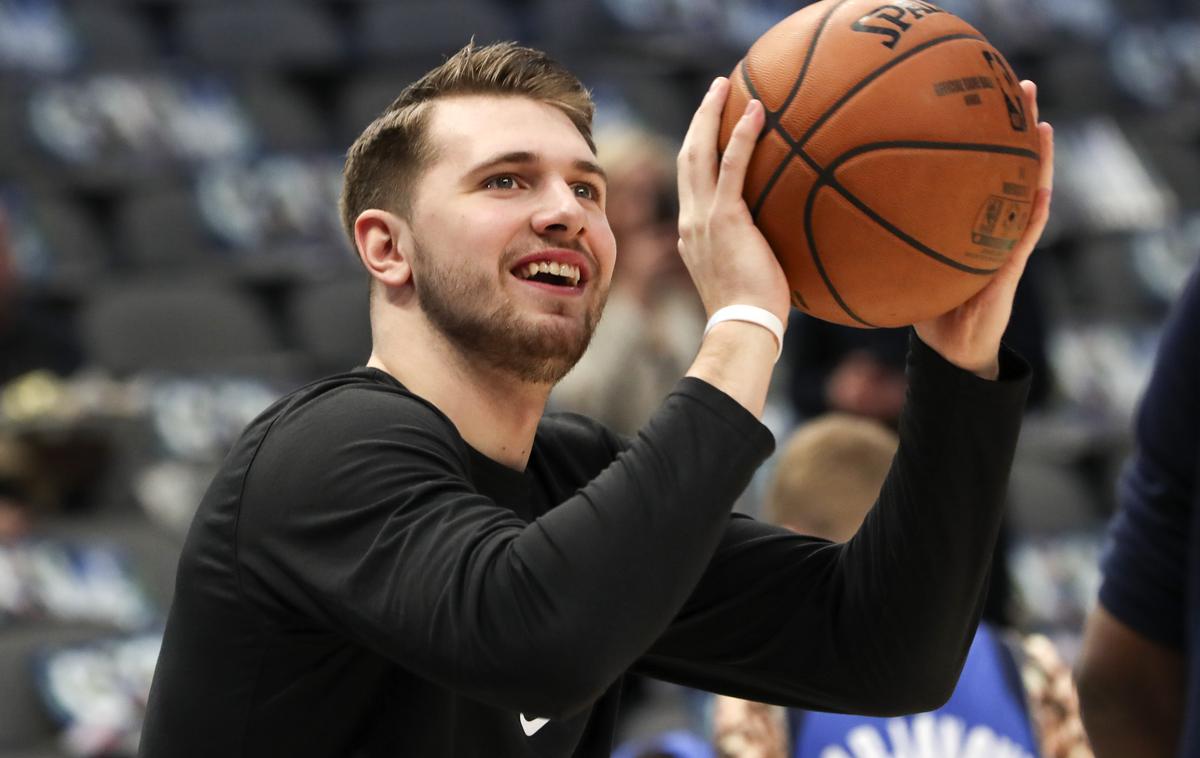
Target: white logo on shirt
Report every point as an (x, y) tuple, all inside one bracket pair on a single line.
[(928, 734), (531, 726)]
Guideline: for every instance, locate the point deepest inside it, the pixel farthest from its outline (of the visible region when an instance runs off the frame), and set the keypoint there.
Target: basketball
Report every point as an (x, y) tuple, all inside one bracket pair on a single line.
[(897, 166)]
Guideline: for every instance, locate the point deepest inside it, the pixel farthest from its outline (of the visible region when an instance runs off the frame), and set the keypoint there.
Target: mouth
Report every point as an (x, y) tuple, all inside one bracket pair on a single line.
[(563, 271)]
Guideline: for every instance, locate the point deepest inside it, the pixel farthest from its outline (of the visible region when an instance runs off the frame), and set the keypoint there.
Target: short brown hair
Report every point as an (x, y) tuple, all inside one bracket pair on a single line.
[(385, 160), (829, 475)]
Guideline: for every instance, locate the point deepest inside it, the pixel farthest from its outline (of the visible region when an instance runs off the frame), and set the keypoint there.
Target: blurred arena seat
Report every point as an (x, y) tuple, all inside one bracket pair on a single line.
[(277, 35), (161, 229), (430, 28), (284, 118), (173, 325), (111, 36), (330, 323)]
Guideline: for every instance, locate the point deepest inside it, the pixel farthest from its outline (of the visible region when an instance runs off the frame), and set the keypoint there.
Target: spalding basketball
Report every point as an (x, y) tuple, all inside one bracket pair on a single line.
[(897, 167)]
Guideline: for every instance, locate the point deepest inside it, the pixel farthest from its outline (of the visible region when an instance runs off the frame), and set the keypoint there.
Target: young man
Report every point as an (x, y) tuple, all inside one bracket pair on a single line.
[(409, 559)]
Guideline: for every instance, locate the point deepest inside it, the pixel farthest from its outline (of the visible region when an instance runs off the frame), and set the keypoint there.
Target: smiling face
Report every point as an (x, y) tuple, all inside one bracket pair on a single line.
[(512, 253)]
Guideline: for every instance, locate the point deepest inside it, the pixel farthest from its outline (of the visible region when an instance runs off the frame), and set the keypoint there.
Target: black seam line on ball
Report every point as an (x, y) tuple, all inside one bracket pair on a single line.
[(797, 144), (816, 258), (773, 117), (812, 49), (878, 72), (793, 151), (827, 177)]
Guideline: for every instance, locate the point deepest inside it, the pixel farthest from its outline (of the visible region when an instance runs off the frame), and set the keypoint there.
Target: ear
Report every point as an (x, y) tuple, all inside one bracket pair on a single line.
[(384, 244)]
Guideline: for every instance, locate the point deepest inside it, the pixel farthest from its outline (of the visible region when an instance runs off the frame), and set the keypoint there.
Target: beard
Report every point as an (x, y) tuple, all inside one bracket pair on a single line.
[(489, 329)]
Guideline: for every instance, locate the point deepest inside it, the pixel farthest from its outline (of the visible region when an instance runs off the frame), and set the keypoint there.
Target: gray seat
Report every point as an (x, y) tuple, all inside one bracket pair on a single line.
[(25, 724), (180, 325), (332, 325), (283, 118), (160, 230), (112, 35), (431, 28), (75, 247), (260, 35), (1049, 497), (26, 728), (366, 95)]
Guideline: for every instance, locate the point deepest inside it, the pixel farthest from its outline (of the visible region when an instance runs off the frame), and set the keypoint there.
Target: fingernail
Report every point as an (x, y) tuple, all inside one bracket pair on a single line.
[(752, 107), (715, 83)]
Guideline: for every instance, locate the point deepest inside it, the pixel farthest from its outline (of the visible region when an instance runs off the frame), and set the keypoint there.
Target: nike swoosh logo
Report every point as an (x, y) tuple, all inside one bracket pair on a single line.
[(531, 726)]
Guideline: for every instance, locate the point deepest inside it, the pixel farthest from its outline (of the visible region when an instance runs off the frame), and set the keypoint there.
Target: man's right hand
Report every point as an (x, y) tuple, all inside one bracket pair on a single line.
[(728, 257), (725, 253)]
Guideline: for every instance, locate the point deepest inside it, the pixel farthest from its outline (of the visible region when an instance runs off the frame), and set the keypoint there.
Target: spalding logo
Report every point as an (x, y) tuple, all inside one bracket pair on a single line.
[(889, 20)]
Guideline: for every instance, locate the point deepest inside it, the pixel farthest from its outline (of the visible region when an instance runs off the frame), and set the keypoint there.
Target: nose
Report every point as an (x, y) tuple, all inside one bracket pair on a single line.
[(559, 211)]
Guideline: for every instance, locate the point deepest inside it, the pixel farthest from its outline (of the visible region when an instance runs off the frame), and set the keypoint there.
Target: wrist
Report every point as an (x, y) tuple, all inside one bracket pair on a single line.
[(737, 358), (750, 314), (985, 368)]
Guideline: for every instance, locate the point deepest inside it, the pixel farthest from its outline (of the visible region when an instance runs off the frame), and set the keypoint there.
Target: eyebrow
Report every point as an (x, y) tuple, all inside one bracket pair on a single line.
[(526, 157)]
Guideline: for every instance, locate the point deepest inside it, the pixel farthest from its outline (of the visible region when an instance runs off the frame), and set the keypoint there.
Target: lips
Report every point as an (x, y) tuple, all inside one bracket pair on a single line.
[(554, 268)]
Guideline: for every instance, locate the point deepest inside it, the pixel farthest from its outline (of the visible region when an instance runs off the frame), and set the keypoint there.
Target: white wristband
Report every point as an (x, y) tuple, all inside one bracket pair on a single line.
[(752, 314)]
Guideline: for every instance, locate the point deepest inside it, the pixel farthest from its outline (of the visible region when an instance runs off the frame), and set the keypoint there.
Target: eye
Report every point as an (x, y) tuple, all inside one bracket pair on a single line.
[(503, 182), (586, 190)]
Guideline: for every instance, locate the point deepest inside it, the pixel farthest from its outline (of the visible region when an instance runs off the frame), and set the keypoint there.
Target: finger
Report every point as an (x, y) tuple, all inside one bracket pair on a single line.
[(1046, 169), (698, 154), (1029, 90), (736, 159), (1041, 205)]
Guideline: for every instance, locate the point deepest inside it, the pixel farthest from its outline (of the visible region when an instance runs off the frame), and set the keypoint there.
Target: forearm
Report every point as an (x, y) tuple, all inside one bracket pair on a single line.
[(918, 566), (1131, 691), (881, 624), (737, 358)]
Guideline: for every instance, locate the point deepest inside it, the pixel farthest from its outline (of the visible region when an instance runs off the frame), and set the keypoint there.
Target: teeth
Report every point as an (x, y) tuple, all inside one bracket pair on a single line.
[(565, 270)]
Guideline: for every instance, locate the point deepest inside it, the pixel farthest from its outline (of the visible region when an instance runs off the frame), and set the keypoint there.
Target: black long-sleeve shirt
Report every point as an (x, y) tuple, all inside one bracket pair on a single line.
[(360, 582)]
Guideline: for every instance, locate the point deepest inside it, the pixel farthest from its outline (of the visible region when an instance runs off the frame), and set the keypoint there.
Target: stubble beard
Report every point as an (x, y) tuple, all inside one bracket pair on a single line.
[(491, 331)]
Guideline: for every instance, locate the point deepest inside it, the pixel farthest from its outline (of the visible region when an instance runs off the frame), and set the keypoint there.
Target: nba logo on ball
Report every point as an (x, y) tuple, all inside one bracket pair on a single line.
[(897, 167)]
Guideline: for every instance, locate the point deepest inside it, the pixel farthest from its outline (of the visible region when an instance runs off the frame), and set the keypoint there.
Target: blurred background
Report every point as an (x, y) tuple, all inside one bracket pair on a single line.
[(171, 260)]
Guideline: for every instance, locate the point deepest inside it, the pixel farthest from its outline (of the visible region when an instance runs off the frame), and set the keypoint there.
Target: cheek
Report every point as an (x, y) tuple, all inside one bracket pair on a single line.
[(604, 247), (476, 233)]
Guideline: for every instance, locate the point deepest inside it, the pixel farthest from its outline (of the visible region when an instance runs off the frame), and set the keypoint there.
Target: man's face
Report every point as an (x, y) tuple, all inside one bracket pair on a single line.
[(513, 190)]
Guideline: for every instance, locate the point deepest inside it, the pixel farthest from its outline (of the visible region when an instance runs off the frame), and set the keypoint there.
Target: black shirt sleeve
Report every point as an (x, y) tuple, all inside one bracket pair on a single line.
[(359, 512), (880, 624)]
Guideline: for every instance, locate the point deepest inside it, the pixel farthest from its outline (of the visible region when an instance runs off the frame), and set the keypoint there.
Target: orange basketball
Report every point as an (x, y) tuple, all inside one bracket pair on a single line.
[(897, 167)]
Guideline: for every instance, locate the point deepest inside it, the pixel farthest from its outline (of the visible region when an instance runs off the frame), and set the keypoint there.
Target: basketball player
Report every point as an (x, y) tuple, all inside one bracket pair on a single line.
[(409, 559)]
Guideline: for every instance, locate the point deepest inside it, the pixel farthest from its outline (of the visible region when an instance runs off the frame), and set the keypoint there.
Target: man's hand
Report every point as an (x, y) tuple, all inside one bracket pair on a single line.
[(969, 335), (727, 256)]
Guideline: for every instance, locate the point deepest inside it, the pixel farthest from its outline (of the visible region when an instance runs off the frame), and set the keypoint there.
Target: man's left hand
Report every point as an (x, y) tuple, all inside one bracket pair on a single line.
[(969, 336)]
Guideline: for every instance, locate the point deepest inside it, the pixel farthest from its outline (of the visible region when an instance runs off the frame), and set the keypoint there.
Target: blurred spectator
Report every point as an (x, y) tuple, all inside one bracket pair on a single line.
[(861, 371), (31, 338), (653, 320), (1014, 697), (1139, 673)]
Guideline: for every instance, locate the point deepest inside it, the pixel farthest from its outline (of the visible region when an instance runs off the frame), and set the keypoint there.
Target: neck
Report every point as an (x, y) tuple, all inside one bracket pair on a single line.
[(495, 412)]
